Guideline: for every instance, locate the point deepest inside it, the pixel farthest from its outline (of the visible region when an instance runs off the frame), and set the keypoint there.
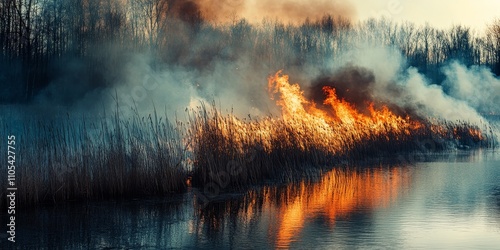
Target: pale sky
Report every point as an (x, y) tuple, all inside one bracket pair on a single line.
[(438, 13)]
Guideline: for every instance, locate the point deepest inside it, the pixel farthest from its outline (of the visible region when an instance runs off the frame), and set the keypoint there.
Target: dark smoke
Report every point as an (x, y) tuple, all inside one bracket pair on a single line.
[(352, 83), (191, 57), (355, 85), (186, 10)]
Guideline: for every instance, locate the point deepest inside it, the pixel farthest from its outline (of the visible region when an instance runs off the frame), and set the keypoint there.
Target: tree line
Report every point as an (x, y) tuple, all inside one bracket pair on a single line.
[(39, 37)]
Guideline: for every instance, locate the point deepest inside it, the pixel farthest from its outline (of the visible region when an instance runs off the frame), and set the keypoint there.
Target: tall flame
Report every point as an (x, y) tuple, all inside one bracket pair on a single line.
[(305, 132), (346, 123)]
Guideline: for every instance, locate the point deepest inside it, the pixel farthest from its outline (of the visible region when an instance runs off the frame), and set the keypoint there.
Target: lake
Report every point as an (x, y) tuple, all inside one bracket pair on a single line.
[(441, 201)]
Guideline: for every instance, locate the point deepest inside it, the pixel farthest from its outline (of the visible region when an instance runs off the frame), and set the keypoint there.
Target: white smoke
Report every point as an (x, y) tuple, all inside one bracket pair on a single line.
[(431, 101), (471, 90), (239, 85), (476, 85)]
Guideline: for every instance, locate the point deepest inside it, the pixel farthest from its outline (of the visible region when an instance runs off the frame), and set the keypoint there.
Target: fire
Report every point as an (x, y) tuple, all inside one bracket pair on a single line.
[(235, 152), (346, 123), (296, 107), (307, 132)]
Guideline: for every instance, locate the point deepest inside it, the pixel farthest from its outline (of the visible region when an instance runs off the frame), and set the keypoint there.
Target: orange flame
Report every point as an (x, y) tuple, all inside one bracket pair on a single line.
[(303, 127), (347, 123), (336, 129), (296, 107)]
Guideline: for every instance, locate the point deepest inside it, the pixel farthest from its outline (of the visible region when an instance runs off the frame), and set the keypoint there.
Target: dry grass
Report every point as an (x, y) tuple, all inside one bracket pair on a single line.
[(75, 158), (82, 158), (237, 153)]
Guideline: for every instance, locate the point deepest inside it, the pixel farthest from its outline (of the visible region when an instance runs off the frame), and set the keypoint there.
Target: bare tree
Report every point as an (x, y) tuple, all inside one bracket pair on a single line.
[(493, 45)]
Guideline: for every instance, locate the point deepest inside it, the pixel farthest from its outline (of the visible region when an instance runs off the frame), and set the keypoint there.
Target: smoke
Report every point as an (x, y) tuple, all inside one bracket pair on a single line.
[(286, 11), (201, 69), (356, 85), (352, 83), (475, 85), (382, 75), (239, 86), (138, 83), (188, 11), (197, 67), (432, 102)]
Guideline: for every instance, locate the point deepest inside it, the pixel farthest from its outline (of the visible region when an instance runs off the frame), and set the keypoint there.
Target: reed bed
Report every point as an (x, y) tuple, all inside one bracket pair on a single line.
[(231, 152), (83, 158), (112, 157), (237, 153)]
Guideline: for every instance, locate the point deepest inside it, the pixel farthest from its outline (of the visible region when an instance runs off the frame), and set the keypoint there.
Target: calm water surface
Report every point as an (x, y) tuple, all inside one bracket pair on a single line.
[(452, 201)]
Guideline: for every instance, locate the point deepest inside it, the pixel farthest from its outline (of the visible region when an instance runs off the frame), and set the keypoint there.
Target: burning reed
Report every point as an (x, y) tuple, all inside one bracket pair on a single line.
[(98, 158), (240, 152)]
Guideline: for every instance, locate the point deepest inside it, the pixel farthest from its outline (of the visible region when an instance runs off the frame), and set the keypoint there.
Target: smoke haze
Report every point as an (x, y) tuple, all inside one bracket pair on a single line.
[(286, 11), (360, 76), (229, 65), (239, 86)]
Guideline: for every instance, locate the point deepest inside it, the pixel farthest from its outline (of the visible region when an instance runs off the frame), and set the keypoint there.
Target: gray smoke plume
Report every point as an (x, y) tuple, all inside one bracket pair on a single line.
[(200, 68), (240, 86), (381, 74), (475, 85)]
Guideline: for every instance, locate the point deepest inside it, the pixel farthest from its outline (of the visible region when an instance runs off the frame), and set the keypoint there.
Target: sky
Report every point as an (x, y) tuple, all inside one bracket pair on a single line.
[(438, 13)]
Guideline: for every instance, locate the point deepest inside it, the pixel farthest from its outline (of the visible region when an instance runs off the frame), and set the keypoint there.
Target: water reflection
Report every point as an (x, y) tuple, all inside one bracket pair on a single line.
[(496, 197), (495, 200), (442, 203), (100, 225), (287, 209)]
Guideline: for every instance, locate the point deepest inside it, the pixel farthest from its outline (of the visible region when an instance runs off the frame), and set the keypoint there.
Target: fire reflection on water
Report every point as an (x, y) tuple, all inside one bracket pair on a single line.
[(337, 194)]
